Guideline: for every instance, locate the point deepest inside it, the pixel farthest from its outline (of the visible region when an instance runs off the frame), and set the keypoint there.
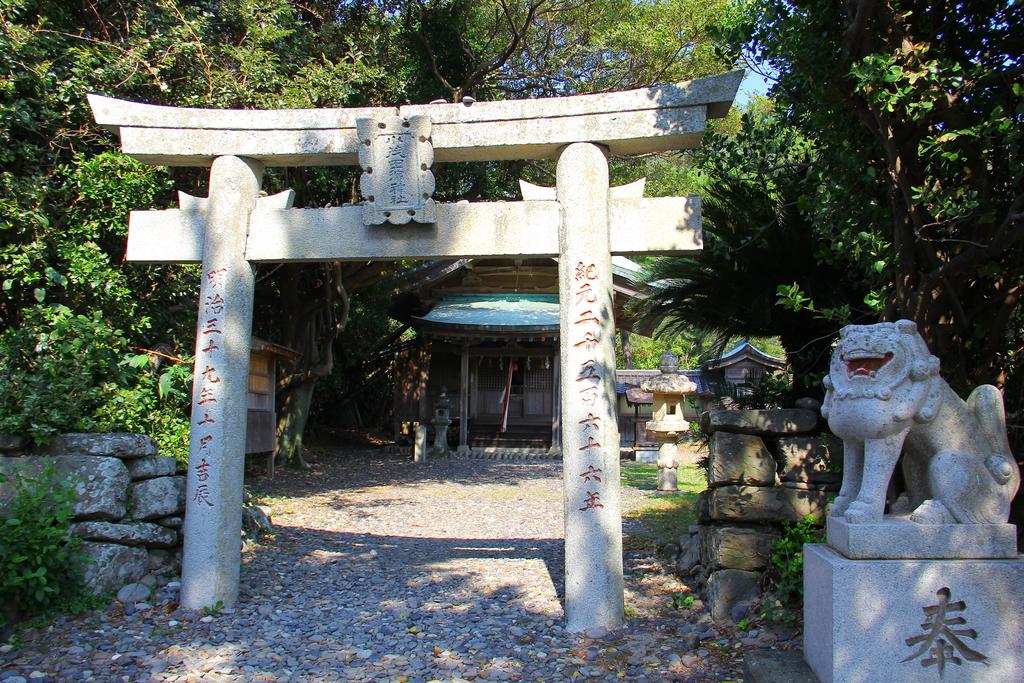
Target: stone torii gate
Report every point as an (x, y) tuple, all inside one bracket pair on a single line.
[(398, 219)]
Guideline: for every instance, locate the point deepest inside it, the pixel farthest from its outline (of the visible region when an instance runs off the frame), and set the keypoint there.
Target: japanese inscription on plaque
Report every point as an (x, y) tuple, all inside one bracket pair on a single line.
[(397, 184)]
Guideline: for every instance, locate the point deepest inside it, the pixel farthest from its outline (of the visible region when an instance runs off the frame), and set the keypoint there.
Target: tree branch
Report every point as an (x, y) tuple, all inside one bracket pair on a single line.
[(431, 59)]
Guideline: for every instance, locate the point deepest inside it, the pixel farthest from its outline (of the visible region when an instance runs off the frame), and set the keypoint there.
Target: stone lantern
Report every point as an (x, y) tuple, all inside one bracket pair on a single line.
[(442, 418), (670, 389)]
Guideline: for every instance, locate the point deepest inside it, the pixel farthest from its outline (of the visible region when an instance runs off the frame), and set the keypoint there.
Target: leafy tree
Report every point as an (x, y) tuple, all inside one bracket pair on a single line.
[(916, 108), (692, 345), (760, 239), (66, 194)]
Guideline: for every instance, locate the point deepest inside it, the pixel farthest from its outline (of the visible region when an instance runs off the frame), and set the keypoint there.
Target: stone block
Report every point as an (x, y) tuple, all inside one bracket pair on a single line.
[(753, 504), (100, 483), (149, 468), (728, 588), (648, 455), (739, 459), (876, 621), (775, 666), (134, 592), (779, 421), (802, 458), (129, 533), (110, 566), (689, 557), (820, 481), (173, 522), (153, 498), (255, 521), (126, 446), (898, 538), (735, 547)]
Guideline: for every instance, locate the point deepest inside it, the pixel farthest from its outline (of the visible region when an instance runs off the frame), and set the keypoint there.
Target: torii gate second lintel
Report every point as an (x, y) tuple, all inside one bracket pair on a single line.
[(582, 224)]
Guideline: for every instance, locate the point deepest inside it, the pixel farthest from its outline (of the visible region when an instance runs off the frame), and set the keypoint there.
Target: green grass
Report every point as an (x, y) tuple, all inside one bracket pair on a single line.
[(644, 476), (666, 516)]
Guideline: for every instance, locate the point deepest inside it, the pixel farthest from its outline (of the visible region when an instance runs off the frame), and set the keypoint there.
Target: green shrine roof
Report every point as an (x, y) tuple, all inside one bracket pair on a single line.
[(495, 313)]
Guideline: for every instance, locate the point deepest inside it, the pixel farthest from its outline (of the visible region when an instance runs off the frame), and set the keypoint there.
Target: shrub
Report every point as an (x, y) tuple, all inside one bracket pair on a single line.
[(153, 402), (55, 371), (61, 372), (787, 558), (41, 568)]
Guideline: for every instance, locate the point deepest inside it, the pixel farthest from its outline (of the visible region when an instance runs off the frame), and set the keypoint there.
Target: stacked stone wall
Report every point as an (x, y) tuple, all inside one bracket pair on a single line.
[(129, 502), (765, 468)]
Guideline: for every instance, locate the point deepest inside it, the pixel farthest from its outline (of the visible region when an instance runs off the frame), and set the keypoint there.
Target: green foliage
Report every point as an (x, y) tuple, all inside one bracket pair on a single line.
[(41, 569), (215, 610), (56, 371), (153, 402), (692, 345), (62, 372), (916, 115), (787, 558), (682, 600), (759, 236), (770, 390), (663, 517)]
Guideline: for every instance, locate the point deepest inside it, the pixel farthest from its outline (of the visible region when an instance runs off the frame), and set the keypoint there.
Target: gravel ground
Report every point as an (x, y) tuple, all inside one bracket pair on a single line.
[(379, 570)]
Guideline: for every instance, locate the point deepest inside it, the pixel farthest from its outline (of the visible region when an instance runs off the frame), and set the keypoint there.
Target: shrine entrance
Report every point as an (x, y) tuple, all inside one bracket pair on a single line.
[(581, 221)]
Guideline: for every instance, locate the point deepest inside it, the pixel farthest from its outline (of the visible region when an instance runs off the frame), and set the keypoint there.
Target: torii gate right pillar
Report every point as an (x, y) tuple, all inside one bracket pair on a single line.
[(590, 434)]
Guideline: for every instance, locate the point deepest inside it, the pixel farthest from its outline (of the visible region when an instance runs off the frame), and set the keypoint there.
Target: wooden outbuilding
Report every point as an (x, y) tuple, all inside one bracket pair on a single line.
[(261, 418)]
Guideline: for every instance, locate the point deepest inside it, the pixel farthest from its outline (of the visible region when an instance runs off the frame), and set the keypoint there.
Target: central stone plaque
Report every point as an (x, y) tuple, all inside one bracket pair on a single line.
[(395, 154)]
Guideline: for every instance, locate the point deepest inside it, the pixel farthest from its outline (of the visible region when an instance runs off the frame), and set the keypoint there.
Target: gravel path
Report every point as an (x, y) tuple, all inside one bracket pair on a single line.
[(384, 571)]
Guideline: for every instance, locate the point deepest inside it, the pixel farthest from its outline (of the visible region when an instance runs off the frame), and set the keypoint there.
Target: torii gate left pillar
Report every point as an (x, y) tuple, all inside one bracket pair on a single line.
[(216, 471)]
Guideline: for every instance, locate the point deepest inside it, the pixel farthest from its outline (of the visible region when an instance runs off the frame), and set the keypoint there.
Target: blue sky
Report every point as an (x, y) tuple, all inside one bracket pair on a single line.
[(753, 84)]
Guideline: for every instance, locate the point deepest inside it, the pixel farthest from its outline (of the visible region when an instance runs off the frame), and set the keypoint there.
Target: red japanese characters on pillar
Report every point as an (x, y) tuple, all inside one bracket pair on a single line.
[(586, 330), (206, 411)]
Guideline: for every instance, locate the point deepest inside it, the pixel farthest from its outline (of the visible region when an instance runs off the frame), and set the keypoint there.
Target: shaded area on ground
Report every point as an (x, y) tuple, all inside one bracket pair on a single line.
[(378, 570)]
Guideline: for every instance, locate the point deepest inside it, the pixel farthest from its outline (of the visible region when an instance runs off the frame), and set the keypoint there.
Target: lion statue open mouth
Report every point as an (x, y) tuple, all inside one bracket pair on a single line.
[(884, 396)]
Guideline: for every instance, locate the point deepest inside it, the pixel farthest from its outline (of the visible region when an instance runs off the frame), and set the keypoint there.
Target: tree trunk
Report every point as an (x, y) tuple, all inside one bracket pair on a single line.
[(291, 424)]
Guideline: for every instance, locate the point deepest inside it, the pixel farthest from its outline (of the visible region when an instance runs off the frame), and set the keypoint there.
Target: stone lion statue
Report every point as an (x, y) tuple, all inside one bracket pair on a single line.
[(884, 396)]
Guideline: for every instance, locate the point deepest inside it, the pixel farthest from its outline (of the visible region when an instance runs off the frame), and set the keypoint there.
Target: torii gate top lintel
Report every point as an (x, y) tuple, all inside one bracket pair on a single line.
[(658, 118)]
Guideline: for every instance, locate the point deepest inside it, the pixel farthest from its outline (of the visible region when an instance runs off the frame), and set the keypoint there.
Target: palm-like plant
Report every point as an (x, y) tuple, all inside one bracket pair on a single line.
[(755, 240)]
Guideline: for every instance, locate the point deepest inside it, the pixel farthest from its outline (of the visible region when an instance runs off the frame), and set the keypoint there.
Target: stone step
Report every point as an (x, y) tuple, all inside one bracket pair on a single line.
[(512, 454)]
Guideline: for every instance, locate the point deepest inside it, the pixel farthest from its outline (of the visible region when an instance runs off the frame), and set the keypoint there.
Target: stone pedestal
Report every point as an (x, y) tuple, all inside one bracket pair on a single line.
[(879, 621), (668, 464), (897, 538), (419, 448)]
